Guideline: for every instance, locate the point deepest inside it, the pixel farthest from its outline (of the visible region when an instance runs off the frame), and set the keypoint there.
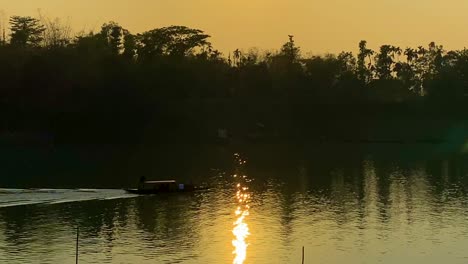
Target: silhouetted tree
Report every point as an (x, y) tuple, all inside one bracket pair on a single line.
[(323, 71), (385, 60), (129, 46), (56, 34), (175, 41), (237, 57), (286, 69), (364, 70), (448, 76), (91, 44), (113, 33), (26, 31), (290, 50), (2, 29)]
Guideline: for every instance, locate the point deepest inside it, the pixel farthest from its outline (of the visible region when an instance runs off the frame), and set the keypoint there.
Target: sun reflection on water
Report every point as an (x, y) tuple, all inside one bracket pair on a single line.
[(241, 229)]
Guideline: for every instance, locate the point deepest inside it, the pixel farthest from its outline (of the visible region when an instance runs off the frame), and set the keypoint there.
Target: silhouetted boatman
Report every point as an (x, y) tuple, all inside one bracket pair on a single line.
[(142, 182)]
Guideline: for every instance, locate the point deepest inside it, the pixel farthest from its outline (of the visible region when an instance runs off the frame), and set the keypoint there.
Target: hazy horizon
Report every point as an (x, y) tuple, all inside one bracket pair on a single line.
[(318, 26)]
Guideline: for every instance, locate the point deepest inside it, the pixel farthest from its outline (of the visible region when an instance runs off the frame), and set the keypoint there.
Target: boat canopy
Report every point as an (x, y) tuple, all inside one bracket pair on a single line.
[(160, 182)]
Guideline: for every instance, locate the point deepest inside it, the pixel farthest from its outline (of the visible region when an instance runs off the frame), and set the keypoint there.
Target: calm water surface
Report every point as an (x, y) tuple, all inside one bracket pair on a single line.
[(365, 210)]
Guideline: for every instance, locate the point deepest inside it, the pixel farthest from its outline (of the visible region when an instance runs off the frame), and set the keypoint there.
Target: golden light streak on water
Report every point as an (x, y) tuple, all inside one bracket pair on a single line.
[(241, 228)]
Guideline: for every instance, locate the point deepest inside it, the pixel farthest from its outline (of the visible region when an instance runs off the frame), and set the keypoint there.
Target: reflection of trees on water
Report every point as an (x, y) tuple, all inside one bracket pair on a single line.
[(347, 202), (16, 222), (168, 221), (397, 191), (160, 222), (383, 193), (41, 229)]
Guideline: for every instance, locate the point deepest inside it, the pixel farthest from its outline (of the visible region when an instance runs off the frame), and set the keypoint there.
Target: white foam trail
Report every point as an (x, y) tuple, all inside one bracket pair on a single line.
[(73, 200), (120, 197), (20, 203), (51, 190), (87, 190), (10, 191)]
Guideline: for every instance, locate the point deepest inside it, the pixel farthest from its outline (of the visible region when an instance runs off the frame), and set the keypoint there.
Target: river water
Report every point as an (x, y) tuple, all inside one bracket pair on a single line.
[(364, 210)]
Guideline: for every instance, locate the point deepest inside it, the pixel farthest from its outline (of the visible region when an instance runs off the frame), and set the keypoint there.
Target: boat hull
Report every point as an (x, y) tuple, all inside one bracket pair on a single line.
[(146, 192)]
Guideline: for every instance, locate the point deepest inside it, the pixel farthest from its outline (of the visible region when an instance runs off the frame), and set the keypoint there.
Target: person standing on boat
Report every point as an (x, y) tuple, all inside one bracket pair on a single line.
[(141, 184)]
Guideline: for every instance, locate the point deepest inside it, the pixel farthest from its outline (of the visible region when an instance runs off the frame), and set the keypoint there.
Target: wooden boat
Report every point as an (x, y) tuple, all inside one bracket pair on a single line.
[(166, 186)]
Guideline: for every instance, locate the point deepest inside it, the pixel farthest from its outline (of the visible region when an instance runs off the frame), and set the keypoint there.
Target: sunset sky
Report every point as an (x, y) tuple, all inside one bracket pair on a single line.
[(319, 26)]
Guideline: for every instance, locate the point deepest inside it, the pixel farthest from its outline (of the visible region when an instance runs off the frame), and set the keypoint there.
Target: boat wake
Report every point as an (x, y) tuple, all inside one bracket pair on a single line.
[(23, 197)]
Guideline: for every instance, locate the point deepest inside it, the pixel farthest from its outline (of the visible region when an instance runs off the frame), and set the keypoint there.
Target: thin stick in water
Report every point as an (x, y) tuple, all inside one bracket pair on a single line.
[(77, 239), (302, 254)]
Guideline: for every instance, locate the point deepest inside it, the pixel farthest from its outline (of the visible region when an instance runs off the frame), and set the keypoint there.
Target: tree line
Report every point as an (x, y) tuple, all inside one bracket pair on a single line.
[(114, 84)]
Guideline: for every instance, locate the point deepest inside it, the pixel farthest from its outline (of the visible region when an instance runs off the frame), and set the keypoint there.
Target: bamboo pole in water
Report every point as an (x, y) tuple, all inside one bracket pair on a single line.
[(77, 239), (302, 254)]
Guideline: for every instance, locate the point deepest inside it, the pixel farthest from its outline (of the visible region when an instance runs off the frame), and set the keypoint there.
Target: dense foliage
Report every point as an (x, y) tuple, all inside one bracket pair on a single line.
[(114, 86)]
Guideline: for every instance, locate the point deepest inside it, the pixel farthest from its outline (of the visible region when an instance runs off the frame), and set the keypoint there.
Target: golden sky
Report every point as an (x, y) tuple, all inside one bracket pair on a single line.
[(319, 26)]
